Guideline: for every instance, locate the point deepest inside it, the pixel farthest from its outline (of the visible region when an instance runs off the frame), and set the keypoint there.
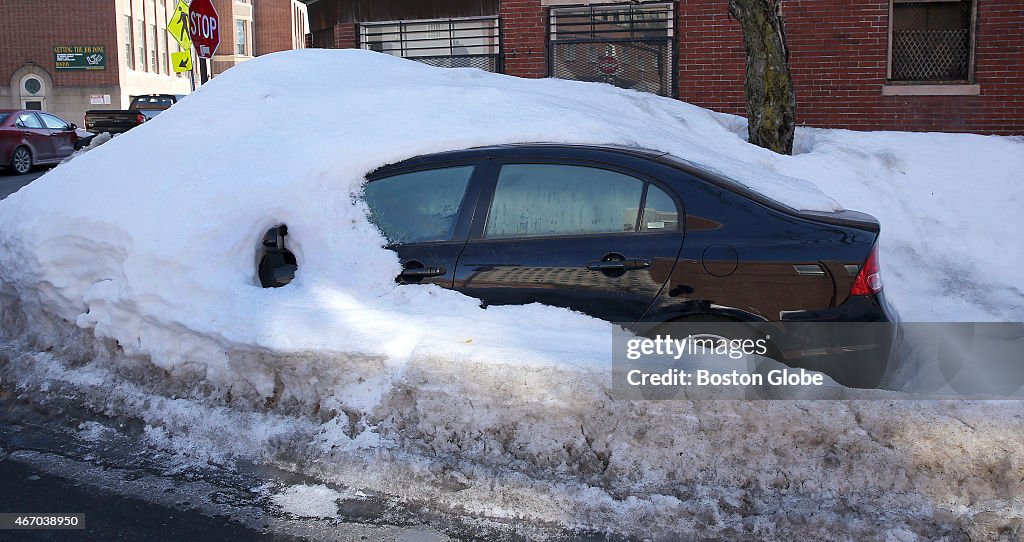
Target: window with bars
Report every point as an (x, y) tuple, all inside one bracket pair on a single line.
[(932, 40), (448, 43), (626, 45)]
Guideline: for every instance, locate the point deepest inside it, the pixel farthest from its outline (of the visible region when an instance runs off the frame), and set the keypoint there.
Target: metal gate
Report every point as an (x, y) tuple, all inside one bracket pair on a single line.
[(626, 45), (449, 43)]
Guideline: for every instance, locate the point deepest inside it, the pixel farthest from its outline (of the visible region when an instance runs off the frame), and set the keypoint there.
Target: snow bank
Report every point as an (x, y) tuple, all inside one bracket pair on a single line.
[(127, 280), (948, 204), (306, 501)]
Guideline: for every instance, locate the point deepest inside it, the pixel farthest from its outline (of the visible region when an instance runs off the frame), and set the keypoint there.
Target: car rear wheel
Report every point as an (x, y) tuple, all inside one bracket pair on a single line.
[(21, 161)]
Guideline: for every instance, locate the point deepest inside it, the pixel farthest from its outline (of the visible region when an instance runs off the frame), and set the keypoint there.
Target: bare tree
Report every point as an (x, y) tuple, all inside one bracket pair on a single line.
[(771, 102)]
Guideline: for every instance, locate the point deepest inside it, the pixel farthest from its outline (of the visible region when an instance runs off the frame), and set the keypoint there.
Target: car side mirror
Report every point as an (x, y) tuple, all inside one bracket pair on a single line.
[(278, 265), (72, 126), (273, 240)]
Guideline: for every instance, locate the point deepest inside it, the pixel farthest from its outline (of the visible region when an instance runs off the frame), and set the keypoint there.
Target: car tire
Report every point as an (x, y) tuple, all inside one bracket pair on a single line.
[(21, 161)]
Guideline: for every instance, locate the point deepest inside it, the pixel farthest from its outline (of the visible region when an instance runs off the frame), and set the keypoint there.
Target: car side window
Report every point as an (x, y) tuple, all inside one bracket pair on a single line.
[(660, 211), (418, 207), (28, 120), (53, 122), (536, 200)]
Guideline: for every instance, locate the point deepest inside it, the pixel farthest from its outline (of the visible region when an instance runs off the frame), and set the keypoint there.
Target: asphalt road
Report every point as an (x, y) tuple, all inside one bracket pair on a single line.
[(10, 183), (109, 516)]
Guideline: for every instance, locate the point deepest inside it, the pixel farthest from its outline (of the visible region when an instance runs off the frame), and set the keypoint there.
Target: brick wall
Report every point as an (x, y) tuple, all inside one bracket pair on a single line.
[(272, 19), (29, 29), (838, 58), (839, 52), (278, 26), (524, 37), (345, 36)]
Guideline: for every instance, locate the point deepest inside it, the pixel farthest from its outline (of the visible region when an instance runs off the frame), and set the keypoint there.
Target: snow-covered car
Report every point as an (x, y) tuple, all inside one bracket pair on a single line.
[(628, 236)]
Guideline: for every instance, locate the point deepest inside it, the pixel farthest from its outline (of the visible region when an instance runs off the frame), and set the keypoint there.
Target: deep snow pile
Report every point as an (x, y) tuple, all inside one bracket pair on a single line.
[(136, 266)]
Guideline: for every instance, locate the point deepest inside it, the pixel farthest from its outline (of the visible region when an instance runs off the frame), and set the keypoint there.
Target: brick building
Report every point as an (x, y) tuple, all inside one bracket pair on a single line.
[(68, 57), (289, 27), (937, 65)]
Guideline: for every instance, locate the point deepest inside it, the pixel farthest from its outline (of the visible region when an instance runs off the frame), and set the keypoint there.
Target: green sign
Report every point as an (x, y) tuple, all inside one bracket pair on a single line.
[(80, 57)]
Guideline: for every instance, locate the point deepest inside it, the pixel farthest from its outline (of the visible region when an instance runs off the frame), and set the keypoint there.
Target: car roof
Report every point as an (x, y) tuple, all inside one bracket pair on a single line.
[(632, 154), (511, 149)]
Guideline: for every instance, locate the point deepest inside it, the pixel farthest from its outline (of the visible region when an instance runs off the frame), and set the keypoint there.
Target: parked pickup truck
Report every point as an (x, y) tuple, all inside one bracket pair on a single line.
[(142, 108)]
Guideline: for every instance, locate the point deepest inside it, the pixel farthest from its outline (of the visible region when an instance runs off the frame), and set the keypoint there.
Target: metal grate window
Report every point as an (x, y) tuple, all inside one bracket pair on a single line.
[(931, 41), (447, 43), (627, 45)]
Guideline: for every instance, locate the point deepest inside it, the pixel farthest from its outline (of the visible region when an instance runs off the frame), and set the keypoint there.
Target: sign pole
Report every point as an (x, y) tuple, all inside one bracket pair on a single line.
[(203, 74)]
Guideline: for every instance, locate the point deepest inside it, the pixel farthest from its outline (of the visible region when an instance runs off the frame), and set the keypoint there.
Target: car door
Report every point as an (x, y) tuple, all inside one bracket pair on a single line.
[(590, 237), (425, 214), (35, 135), (62, 137)]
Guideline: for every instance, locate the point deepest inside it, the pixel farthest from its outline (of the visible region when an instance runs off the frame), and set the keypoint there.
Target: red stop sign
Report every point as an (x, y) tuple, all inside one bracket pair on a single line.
[(204, 27), (607, 64)]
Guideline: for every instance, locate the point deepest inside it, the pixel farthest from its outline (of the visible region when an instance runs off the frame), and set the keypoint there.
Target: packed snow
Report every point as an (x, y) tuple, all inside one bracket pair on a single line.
[(306, 501), (127, 279)]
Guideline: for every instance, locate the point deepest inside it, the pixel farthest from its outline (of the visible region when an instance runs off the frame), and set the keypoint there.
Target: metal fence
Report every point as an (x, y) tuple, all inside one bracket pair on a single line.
[(450, 43), (931, 41), (629, 46)]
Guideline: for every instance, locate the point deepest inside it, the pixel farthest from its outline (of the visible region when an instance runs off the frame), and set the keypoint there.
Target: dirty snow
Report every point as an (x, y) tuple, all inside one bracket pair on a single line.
[(306, 501), (127, 281)]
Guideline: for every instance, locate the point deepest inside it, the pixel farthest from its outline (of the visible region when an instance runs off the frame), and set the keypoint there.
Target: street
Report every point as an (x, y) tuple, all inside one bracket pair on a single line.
[(10, 183)]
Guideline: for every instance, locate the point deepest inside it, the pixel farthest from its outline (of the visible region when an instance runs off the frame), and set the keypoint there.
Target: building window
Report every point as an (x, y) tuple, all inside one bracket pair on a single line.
[(240, 37), (932, 41), (129, 46), (626, 45), (165, 60), (154, 57), (140, 30), (448, 43)]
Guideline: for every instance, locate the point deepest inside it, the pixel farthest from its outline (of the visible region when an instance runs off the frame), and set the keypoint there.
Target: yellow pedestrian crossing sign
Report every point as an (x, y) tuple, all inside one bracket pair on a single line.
[(178, 27), (182, 61)]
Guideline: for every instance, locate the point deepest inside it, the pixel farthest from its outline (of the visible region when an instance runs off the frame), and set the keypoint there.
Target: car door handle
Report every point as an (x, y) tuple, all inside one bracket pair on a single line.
[(422, 272), (624, 264)]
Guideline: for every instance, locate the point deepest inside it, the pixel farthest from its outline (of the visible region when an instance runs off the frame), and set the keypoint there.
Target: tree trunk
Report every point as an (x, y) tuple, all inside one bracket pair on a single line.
[(771, 102)]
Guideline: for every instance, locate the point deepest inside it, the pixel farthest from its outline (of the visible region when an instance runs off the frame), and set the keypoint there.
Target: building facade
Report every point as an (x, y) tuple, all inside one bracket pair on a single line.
[(285, 27), (250, 28), (68, 57), (924, 65)]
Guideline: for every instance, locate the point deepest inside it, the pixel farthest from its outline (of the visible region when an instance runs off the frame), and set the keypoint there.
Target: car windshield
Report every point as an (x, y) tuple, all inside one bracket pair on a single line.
[(152, 102)]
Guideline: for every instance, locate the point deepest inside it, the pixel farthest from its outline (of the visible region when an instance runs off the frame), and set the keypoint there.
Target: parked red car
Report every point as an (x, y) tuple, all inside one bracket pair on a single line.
[(29, 138)]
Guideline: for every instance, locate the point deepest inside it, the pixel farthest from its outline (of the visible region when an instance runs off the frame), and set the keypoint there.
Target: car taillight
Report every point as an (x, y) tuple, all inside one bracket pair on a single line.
[(869, 279), (140, 118)]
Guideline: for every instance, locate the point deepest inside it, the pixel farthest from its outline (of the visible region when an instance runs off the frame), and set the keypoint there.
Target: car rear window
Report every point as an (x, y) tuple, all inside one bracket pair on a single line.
[(152, 101), (3, 117)]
